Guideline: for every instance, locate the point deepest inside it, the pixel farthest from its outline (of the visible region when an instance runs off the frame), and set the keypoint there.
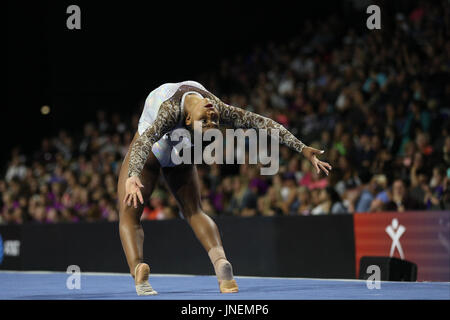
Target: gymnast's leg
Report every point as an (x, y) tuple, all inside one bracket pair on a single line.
[(130, 229), (183, 182)]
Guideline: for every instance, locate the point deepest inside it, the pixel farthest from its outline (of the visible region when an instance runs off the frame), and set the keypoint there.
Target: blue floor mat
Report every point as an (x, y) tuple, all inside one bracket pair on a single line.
[(35, 286)]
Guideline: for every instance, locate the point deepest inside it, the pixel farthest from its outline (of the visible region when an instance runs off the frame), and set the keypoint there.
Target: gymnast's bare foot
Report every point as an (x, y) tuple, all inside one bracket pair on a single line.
[(141, 275)]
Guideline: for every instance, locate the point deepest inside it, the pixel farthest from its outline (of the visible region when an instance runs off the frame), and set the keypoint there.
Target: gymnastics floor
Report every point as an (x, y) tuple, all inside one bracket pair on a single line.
[(15, 285)]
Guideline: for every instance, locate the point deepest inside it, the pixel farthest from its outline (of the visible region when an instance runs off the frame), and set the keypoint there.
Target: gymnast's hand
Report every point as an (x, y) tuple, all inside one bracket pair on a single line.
[(310, 154), (132, 191)]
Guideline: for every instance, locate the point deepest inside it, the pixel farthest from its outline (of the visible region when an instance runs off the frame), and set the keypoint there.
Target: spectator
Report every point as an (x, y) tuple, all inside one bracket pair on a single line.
[(155, 210), (304, 198), (368, 194), (270, 204), (434, 192), (400, 200), (329, 203)]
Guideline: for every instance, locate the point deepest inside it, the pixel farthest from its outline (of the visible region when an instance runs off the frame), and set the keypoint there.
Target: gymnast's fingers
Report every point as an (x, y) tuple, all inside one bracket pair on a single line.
[(326, 164), (320, 164), (135, 200), (316, 166), (139, 194)]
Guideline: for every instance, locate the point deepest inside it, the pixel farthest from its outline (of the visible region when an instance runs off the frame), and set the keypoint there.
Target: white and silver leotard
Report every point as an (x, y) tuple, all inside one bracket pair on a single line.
[(162, 149), (164, 112)]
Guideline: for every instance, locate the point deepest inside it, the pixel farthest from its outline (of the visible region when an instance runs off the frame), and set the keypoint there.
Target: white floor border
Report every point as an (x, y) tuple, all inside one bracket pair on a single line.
[(196, 275)]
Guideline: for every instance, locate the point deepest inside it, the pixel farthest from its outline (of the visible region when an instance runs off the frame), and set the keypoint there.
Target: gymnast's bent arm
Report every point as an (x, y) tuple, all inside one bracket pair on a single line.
[(166, 120)]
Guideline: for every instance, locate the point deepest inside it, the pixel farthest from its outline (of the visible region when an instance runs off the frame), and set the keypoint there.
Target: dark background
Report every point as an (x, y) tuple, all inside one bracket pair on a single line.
[(127, 48)]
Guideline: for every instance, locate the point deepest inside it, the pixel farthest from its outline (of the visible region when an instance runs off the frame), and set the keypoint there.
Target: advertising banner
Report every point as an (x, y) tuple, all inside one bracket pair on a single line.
[(419, 237), (10, 247)]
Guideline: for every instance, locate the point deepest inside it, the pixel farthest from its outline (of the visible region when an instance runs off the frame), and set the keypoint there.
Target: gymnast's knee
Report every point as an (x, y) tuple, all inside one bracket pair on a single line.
[(129, 224), (188, 212), (129, 215), (195, 215)]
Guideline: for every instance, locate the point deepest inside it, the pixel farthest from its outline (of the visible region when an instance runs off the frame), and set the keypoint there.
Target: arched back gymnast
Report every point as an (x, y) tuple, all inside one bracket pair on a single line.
[(172, 106)]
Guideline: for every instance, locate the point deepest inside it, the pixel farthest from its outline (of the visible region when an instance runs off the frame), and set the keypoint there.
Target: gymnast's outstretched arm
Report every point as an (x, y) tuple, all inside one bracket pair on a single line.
[(240, 118)]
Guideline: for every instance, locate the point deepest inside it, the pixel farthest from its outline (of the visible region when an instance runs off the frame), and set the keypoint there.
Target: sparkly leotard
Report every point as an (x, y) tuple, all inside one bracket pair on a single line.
[(164, 112)]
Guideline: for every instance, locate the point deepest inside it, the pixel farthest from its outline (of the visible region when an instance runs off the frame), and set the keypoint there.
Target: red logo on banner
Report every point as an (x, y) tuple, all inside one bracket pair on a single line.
[(420, 237)]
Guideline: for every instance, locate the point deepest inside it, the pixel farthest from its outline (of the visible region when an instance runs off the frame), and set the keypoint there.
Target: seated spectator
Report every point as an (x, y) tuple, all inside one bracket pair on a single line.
[(399, 200), (16, 169), (382, 197), (270, 204), (434, 192), (236, 202), (305, 203), (249, 201), (368, 194), (350, 179), (288, 192), (329, 203), (154, 211)]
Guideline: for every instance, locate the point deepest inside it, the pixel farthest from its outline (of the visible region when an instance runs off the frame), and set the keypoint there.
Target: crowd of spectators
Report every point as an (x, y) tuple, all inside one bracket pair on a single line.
[(378, 102)]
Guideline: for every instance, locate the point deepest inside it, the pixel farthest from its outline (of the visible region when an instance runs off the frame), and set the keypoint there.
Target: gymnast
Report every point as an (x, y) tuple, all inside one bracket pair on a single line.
[(168, 107)]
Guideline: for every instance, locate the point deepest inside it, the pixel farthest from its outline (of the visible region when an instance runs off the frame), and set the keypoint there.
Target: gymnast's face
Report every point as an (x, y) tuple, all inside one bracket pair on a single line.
[(202, 110)]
